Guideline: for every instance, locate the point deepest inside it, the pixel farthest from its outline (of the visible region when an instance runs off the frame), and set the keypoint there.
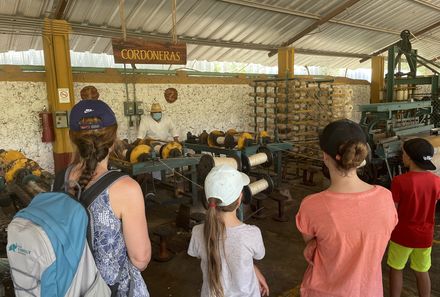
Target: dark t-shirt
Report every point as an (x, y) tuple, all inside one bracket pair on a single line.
[(416, 193)]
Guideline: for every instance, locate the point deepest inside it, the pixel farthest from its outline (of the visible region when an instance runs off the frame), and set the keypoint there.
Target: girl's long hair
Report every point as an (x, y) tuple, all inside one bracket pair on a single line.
[(214, 231), (92, 146)]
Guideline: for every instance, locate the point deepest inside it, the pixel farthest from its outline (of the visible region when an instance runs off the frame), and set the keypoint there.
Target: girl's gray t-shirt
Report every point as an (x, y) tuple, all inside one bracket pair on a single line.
[(243, 244)]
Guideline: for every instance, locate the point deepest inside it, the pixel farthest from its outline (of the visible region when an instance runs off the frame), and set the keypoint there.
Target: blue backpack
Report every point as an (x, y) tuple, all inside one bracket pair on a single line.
[(48, 248)]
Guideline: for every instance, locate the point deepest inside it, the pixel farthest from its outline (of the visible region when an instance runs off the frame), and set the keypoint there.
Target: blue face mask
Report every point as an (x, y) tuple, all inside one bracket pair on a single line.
[(157, 116)]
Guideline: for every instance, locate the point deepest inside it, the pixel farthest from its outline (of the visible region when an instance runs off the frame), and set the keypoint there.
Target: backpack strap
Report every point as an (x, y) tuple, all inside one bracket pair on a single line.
[(60, 178), (90, 194)]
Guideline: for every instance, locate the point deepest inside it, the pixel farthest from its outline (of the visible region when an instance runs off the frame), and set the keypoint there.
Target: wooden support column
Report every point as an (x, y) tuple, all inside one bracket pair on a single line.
[(59, 82), (377, 78), (285, 62)]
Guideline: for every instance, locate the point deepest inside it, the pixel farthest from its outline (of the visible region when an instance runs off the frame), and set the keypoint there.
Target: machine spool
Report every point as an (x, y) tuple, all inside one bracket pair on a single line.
[(139, 153), (213, 136), (207, 162), (243, 140), (264, 185), (7, 157), (14, 167), (263, 157), (172, 149), (264, 137), (231, 139)]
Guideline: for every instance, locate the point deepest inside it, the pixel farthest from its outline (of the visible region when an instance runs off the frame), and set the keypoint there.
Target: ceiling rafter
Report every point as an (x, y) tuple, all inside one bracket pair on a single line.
[(60, 10), (281, 10), (418, 33), (316, 24), (426, 3), (33, 26)]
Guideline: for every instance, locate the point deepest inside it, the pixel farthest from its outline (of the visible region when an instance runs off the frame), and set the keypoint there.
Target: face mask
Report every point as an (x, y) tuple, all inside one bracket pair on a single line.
[(157, 116)]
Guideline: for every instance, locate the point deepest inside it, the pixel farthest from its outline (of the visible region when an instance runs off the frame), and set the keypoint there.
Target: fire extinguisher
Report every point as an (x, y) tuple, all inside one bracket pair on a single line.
[(46, 119)]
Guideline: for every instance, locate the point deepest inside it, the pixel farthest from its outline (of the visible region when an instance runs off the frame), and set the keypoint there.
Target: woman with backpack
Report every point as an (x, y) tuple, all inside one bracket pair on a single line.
[(227, 247), (121, 245), (347, 226)]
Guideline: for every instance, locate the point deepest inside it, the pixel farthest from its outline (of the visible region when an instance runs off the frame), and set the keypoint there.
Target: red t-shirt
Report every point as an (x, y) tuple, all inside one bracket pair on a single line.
[(416, 193)]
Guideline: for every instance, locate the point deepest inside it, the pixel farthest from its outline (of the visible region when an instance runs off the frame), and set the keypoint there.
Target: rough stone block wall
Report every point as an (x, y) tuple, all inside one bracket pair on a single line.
[(199, 107), (21, 130)]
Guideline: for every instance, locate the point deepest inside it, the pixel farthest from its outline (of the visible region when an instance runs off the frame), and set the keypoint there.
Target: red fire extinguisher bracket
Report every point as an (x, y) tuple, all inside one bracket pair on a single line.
[(48, 133)]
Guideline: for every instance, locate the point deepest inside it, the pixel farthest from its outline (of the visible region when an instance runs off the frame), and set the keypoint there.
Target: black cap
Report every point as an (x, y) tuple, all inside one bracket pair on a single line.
[(339, 132), (421, 152)]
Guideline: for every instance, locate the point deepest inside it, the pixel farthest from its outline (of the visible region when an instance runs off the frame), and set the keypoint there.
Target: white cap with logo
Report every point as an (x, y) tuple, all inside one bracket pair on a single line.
[(225, 183)]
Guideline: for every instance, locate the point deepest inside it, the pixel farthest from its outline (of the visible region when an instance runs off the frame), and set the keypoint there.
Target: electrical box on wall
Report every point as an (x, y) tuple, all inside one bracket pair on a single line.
[(138, 108), (129, 108), (61, 119)]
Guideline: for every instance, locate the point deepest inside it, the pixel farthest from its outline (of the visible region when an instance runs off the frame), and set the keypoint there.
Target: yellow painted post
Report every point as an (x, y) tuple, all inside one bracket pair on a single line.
[(59, 82), (285, 62), (377, 78)]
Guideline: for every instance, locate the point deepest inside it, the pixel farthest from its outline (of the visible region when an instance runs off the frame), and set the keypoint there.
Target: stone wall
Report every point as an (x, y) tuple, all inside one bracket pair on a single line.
[(199, 107), (21, 103)]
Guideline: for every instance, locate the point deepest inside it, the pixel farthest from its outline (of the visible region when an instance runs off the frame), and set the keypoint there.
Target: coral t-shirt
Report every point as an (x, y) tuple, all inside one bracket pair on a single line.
[(352, 231), (416, 193)]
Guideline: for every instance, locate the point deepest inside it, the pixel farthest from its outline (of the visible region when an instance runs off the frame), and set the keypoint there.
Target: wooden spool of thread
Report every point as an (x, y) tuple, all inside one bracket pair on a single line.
[(263, 157), (265, 185)]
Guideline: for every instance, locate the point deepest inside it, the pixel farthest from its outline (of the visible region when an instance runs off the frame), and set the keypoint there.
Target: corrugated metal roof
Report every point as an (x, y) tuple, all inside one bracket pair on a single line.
[(363, 28)]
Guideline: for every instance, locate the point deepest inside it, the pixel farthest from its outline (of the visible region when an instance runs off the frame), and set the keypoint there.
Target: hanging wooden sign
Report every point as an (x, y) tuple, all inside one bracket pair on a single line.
[(139, 51)]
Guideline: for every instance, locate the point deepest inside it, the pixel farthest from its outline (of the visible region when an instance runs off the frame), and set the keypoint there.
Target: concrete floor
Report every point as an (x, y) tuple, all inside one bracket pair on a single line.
[(283, 265)]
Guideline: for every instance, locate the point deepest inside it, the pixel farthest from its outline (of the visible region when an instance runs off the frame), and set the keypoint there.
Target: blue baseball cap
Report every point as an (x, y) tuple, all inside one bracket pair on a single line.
[(91, 109)]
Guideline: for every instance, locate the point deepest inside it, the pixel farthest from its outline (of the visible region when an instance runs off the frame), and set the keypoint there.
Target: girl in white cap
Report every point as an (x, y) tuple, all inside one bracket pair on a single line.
[(227, 247)]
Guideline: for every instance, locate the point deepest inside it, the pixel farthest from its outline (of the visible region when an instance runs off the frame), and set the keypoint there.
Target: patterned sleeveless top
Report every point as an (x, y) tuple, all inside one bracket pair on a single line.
[(110, 252)]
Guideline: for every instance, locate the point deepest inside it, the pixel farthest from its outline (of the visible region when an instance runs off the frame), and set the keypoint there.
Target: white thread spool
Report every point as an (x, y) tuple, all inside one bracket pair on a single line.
[(258, 186), (265, 184), (399, 96), (262, 157), (221, 140), (258, 159), (226, 161)]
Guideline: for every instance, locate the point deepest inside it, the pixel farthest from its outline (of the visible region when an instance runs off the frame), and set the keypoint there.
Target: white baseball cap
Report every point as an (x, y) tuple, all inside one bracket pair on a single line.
[(225, 183)]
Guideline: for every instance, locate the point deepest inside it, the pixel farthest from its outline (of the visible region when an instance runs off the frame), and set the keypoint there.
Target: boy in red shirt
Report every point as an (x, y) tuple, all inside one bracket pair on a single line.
[(415, 194)]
